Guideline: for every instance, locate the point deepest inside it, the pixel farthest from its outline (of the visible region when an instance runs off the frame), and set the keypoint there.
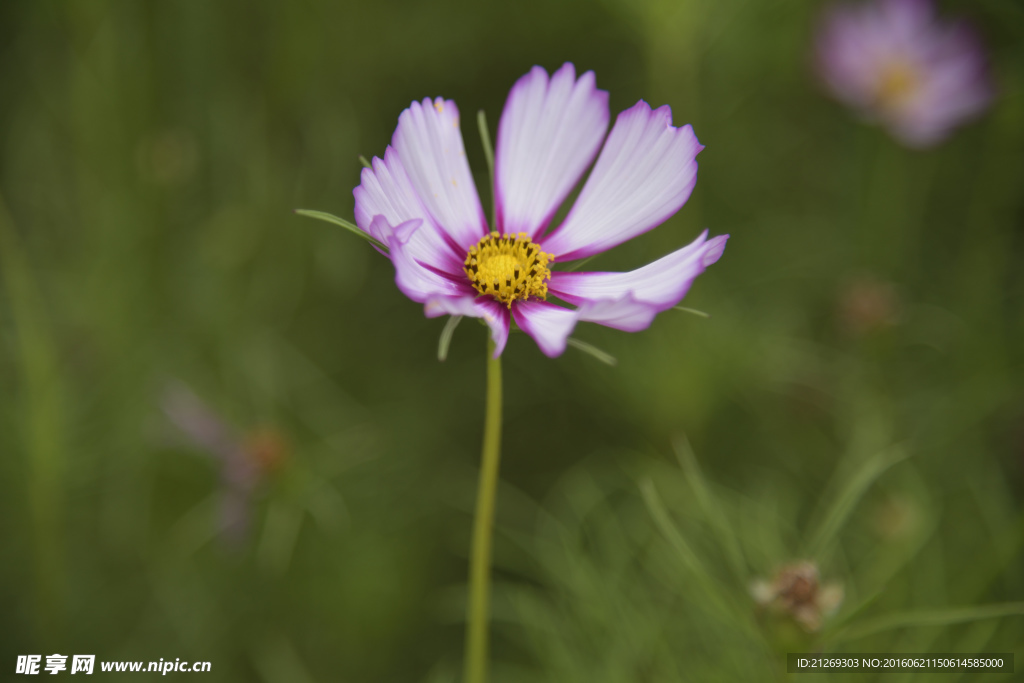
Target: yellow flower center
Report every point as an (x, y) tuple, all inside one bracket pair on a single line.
[(899, 82), (508, 268)]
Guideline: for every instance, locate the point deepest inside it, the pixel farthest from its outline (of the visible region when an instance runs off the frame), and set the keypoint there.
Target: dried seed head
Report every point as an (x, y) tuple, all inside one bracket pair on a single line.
[(797, 591)]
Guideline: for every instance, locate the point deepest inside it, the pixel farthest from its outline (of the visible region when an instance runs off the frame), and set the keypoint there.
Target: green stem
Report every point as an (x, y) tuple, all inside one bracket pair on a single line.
[(483, 526), (485, 140)]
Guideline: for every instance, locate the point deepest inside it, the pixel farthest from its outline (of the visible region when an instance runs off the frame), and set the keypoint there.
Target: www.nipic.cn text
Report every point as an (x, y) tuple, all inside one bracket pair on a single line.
[(86, 664)]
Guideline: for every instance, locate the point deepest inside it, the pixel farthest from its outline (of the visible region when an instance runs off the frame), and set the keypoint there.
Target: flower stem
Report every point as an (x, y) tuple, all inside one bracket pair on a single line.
[(483, 526)]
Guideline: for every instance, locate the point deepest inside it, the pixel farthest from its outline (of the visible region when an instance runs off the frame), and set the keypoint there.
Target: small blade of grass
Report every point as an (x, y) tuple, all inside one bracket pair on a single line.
[(351, 227), (485, 140), (579, 264), (668, 529), (924, 526), (850, 613), (709, 505), (593, 351), (934, 617), (694, 311), (848, 497), (446, 336), (691, 562), (365, 162)]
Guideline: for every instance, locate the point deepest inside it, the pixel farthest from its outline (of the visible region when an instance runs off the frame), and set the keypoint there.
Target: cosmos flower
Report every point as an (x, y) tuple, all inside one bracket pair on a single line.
[(421, 202), (245, 460), (897, 64)]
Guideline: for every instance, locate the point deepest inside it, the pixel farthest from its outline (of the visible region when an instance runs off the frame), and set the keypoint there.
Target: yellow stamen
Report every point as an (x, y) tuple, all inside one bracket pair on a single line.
[(899, 82), (509, 268)]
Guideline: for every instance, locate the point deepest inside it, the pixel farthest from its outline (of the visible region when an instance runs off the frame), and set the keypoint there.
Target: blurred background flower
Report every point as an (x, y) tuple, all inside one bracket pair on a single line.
[(246, 461), (867, 304), (797, 592), (899, 64)]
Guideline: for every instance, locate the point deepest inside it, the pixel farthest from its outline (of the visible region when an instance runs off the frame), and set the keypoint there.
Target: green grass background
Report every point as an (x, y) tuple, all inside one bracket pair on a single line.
[(857, 396)]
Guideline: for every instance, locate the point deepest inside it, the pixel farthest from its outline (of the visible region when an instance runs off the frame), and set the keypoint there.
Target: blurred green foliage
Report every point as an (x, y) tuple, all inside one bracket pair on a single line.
[(856, 398)]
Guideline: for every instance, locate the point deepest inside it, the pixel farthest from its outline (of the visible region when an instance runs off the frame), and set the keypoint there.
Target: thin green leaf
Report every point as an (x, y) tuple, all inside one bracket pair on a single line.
[(597, 353), (668, 529), (852, 612), (849, 495), (363, 160), (446, 336), (579, 264), (690, 560), (687, 309), (351, 227), (986, 569), (935, 617), (925, 526), (709, 505), (485, 140)]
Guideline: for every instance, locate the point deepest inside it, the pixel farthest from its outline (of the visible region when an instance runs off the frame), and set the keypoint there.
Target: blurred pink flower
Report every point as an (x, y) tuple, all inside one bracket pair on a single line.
[(898, 65), (421, 202), (868, 304), (246, 460)]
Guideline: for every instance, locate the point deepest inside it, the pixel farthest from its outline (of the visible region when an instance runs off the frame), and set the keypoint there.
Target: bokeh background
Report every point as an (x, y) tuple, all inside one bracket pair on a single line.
[(856, 397)]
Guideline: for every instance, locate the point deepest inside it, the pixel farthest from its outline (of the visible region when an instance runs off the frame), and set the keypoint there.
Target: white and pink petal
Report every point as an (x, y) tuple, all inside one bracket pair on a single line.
[(629, 301), (415, 254), (549, 133), (548, 325), (429, 143), (496, 315), (385, 191), (626, 313), (644, 174), (441, 293)]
